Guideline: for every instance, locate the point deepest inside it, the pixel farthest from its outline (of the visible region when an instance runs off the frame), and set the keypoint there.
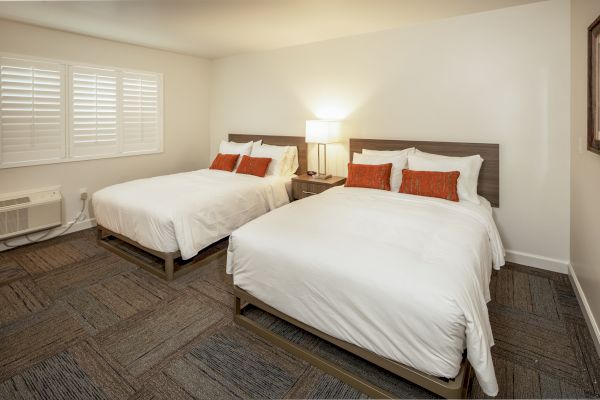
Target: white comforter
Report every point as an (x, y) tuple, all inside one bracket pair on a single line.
[(406, 277), (186, 211)]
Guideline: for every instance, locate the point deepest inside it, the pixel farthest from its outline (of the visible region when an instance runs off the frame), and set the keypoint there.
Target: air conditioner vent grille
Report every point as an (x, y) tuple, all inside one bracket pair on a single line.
[(23, 213), (14, 221), (12, 202)]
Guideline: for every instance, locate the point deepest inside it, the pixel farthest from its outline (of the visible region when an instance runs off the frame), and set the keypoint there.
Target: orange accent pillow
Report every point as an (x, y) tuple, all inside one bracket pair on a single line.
[(430, 183), (369, 176), (225, 162), (257, 166)]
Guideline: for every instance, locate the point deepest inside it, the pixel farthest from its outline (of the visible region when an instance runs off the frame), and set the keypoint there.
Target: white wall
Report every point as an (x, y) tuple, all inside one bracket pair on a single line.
[(186, 85), (495, 77), (585, 167)]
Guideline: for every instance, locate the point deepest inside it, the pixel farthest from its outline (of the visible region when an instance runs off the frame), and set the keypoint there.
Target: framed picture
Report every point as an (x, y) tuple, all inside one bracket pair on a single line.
[(594, 87)]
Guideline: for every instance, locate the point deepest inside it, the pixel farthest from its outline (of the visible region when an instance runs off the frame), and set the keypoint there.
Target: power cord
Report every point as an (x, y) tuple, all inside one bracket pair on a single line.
[(44, 236)]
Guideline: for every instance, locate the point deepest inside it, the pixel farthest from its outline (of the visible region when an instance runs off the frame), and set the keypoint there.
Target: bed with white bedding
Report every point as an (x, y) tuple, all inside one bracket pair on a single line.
[(187, 211), (187, 215), (404, 277)]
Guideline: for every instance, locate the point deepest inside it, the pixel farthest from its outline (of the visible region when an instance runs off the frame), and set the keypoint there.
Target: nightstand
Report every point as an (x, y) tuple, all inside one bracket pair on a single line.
[(304, 186)]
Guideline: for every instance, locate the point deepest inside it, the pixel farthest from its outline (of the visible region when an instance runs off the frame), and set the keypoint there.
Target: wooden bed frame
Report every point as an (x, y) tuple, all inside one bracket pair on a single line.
[(169, 266), (447, 388), (488, 187)]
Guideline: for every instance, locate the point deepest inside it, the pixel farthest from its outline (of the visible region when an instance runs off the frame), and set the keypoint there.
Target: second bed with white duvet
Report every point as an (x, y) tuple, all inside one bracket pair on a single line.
[(403, 276)]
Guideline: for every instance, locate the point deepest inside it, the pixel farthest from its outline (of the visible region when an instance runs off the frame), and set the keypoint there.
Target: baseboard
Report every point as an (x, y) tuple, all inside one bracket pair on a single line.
[(585, 306), (537, 261), (20, 241)]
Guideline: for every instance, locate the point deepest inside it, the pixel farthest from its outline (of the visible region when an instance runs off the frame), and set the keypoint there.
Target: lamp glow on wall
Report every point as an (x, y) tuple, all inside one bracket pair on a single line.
[(322, 132)]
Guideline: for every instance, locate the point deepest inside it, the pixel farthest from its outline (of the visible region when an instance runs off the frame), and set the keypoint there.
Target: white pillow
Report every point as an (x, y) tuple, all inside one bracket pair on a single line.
[(467, 166), (256, 144), (243, 149), (404, 152), (290, 163), (398, 164), (278, 155), (294, 164)]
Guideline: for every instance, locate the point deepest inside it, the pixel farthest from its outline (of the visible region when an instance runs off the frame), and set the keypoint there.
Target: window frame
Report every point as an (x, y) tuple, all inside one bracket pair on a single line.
[(68, 65)]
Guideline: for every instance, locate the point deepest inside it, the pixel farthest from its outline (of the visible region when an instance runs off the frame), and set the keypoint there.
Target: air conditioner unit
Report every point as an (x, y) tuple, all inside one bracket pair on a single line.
[(27, 212)]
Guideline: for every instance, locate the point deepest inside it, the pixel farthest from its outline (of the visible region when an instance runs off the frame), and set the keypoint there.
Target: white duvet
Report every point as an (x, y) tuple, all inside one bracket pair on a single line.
[(403, 276), (186, 211)]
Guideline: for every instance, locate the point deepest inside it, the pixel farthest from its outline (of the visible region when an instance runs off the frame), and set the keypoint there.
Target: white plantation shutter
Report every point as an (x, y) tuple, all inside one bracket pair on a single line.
[(52, 111), (32, 112), (94, 111), (141, 122)]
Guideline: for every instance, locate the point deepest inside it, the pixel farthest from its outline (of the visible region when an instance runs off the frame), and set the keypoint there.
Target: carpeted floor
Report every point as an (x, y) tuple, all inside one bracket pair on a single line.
[(77, 322)]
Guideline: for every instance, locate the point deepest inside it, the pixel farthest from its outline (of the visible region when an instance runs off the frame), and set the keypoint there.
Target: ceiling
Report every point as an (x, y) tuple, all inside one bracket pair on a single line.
[(218, 28)]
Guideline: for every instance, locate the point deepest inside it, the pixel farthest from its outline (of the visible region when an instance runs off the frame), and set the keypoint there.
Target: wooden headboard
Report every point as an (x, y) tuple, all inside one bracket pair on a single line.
[(488, 185), (298, 141)]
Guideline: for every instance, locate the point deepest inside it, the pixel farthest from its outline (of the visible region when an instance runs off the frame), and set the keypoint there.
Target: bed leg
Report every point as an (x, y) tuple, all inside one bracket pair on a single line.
[(237, 306), (169, 267), (99, 233)]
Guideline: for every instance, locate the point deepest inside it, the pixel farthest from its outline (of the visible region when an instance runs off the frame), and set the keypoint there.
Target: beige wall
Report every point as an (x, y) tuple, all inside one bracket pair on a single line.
[(186, 85), (585, 166), (496, 77)]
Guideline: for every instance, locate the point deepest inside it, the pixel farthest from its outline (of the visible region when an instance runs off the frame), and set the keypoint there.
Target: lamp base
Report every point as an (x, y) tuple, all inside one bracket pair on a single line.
[(322, 176)]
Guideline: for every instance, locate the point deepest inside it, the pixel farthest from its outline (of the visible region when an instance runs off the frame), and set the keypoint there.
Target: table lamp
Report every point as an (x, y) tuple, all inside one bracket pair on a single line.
[(322, 132)]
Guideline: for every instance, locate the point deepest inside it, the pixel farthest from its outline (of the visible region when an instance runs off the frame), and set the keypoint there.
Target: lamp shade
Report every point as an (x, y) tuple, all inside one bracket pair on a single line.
[(319, 131)]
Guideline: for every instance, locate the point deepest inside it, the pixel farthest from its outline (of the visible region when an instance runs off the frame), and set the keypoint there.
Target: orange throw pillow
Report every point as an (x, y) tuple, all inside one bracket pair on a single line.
[(257, 166), (430, 183), (369, 176), (225, 162)]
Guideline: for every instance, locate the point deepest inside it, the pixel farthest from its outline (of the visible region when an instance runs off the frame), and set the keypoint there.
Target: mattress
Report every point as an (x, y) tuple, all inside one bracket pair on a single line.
[(186, 211), (403, 276)]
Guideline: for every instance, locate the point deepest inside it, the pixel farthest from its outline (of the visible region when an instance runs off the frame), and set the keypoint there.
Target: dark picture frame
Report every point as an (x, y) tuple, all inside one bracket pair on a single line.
[(593, 142)]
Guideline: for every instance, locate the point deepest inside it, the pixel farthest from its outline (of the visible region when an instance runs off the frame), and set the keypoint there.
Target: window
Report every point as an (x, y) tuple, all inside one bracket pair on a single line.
[(32, 112), (54, 112), (93, 112)]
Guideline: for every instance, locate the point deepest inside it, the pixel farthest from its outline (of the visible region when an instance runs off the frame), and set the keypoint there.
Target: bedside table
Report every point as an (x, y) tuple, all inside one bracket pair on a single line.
[(305, 186)]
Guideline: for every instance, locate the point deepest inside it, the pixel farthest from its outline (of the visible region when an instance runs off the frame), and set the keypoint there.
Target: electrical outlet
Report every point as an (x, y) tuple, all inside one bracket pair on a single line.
[(83, 194)]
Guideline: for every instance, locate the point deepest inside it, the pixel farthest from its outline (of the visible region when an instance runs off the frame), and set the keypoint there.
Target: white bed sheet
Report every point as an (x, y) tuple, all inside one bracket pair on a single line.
[(187, 211), (404, 276)]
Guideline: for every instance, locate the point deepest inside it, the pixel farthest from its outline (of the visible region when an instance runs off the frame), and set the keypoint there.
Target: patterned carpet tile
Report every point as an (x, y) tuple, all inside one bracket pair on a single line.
[(195, 383), (530, 292), (567, 304), (10, 270), (20, 298), (142, 341), (545, 341), (116, 298), (328, 387), (240, 364), (36, 338), (213, 291), (587, 358), (517, 381), (43, 259), (535, 340), (213, 272), (57, 377), (114, 381), (62, 281), (315, 384), (160, 387), (389, 382)]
